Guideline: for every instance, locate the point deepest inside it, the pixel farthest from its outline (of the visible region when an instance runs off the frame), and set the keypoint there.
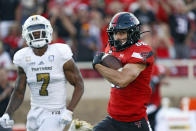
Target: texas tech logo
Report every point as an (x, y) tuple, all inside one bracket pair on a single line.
[(146, 55)]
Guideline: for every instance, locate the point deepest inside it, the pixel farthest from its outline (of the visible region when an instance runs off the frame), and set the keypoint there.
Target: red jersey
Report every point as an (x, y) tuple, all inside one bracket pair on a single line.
[(129, 103)]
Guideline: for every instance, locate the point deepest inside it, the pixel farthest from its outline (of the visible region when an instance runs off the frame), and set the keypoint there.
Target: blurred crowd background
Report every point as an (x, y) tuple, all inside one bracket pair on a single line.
[(83, 25)]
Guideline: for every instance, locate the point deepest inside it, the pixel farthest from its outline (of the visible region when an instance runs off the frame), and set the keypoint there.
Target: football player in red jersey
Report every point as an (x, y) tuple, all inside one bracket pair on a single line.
[(131, 93)]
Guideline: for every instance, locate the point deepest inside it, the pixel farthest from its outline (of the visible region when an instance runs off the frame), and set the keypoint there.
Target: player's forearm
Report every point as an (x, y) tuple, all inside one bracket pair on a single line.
[(14, 103), (113, 76), (77, 94), (16, 97)]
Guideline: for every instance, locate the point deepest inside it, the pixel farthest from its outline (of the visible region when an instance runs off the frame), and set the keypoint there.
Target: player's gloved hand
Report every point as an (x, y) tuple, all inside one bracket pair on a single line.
[(6, 122), (66, 117), (151, 109), (97, 59)]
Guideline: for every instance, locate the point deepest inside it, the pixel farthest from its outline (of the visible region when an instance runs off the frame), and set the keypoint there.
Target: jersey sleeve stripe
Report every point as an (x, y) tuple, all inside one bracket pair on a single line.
[(136, 55)]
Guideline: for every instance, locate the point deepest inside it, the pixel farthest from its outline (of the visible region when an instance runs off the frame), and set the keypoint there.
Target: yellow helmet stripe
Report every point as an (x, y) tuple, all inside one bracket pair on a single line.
[(34, 17)]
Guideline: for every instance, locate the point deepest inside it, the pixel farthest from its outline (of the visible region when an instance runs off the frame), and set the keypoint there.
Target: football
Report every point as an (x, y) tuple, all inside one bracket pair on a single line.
[(111, 62)]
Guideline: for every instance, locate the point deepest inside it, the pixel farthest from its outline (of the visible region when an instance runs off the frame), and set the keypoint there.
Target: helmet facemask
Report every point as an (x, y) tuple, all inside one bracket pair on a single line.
[(133, 35)]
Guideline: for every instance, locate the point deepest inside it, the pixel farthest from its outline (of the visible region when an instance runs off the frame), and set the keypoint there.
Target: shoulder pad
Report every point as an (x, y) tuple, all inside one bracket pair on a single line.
[(19, 56), (64, 51)]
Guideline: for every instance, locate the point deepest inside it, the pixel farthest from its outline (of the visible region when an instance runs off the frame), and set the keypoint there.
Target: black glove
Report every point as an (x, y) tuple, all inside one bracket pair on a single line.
[(97, 59)]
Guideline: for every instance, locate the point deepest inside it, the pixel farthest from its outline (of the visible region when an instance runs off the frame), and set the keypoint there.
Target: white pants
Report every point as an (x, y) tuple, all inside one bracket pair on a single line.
[(40, 119)]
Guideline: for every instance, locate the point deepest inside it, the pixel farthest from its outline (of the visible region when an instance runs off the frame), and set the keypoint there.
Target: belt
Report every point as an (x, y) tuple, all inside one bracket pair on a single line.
[(56, 112)]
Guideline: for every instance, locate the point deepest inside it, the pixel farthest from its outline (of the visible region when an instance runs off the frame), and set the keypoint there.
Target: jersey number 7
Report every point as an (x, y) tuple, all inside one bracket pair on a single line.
[(45, 77)]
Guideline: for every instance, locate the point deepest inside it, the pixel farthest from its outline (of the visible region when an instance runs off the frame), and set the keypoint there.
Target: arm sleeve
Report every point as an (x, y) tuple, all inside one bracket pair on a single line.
[(18, 59), (65, 52), (142, 54)]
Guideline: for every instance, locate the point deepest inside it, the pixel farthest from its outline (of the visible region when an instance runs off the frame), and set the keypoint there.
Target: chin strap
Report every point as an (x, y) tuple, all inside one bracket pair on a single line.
[(125, 46), (38, 43), (144, 32)]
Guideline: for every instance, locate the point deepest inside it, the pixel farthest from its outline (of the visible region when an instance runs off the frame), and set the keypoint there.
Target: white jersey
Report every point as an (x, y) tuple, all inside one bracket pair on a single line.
[(45, 75)]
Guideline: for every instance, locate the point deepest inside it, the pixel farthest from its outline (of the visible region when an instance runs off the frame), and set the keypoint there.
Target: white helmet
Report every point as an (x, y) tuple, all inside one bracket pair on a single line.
[(37, 31)]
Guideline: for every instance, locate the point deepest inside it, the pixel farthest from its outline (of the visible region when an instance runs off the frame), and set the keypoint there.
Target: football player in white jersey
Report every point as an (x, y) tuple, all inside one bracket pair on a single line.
[(46, 69)]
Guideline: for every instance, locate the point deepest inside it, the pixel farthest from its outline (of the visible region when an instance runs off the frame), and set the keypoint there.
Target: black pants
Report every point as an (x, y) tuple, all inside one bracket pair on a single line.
[(151, 118), (109, 124)]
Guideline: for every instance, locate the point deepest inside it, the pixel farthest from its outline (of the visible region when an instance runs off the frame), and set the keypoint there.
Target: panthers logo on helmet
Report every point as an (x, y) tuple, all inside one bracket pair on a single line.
[(34, 18)]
